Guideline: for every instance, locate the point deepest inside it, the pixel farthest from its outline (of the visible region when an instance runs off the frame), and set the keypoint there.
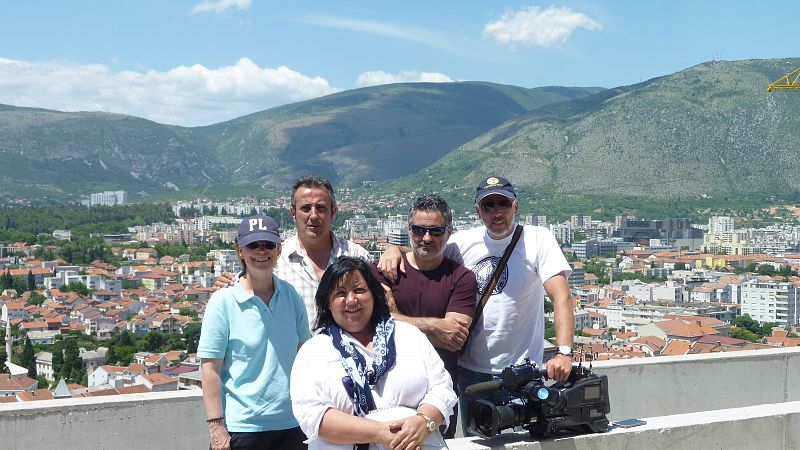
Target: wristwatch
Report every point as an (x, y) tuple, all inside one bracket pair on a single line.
[(429, 422), (565, 350)]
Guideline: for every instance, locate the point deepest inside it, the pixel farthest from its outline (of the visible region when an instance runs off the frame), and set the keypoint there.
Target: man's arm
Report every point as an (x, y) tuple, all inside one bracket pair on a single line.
[(557, 288), (391, 262), (448, 333), (225, 279)]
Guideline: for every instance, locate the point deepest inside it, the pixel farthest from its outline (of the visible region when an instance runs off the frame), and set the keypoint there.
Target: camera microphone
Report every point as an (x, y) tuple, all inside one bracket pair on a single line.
[(486, 387)]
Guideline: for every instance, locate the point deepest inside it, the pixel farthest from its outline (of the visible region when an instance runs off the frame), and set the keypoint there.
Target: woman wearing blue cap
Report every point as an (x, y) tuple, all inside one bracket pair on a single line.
[(249, 339)]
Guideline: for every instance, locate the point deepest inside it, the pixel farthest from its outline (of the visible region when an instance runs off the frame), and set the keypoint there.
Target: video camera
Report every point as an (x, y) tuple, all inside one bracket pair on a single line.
[(577, 405)]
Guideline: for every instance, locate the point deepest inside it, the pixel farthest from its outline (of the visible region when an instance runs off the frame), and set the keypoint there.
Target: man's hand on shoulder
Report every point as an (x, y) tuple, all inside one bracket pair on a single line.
[(391, 263), (227, 279)]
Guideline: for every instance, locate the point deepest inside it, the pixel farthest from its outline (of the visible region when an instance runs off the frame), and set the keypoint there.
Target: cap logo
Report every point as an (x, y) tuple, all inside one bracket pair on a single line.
[(257, 222), (492, 182)]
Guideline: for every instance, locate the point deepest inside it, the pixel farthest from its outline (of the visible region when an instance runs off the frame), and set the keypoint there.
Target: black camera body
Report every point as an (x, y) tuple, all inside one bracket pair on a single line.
[(578, 405)]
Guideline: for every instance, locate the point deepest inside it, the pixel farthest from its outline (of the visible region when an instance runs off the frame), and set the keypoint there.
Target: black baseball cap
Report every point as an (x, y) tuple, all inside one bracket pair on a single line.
[(494, 185)]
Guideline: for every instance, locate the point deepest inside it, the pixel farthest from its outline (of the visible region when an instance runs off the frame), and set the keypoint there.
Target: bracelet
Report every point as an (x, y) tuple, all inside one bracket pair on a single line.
[(217, 420)]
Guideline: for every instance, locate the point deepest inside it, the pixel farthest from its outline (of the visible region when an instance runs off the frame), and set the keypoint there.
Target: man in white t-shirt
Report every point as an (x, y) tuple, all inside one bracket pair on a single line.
[(511, 327)]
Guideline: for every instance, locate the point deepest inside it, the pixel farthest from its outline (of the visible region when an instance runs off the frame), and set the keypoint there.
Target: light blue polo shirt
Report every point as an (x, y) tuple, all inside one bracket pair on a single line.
[(258, 344)]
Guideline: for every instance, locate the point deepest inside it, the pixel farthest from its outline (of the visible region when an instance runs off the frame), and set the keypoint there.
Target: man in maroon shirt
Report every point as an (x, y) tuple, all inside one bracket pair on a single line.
[(435, 294)]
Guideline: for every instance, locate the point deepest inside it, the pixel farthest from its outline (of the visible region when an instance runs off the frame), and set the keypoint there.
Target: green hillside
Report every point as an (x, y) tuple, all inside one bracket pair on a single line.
[(706, 131), (373, 133)]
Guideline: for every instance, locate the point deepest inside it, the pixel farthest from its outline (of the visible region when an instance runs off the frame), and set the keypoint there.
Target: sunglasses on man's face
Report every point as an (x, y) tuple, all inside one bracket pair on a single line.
[(503, 203), (420, 230), (269, 245)]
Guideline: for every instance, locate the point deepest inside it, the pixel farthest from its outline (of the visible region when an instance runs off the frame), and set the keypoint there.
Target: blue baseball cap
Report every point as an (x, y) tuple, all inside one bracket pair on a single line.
[(258, 228)]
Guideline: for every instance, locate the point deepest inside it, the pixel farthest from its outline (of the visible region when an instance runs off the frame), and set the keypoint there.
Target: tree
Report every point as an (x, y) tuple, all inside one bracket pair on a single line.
[(76, 286), (153, 341), (3, 359), (548, 306), (31, 281), (8, 280), (549, 329), (747, 323), (27, 358), (43, 383), (72, 370), (124, 354), (741, 333), (680, 266), (192, 335), (767, 270), (189, 312), (58, 358), (766, 328), (37, 300)]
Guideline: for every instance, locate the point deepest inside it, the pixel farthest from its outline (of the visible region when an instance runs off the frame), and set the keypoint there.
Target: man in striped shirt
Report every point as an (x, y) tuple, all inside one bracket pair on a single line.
[(305, 256)]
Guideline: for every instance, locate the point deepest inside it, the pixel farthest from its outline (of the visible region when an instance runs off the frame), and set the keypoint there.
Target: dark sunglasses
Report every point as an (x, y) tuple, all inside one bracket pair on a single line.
[(420, 230), (504, 203), (269, 245)]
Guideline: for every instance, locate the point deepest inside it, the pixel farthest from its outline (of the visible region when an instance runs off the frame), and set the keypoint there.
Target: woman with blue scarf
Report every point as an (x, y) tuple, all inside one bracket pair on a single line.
[(366, 381)]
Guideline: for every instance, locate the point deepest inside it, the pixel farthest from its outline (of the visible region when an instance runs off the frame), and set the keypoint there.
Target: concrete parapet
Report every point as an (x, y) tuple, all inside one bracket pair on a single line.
[(746, 399)]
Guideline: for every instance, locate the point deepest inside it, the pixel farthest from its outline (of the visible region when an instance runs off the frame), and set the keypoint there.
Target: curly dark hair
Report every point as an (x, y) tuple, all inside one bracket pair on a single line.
[(431, 203)]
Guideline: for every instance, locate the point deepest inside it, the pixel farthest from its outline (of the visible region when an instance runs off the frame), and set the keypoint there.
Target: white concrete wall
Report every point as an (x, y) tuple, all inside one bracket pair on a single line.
[(682, 384), (169, 420), (678, 396)]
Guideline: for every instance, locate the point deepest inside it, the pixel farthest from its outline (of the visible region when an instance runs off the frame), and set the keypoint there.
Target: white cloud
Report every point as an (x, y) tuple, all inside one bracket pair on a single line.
[(184, 95), (374, 78), (402, 32), (220, 6), (538, 27)]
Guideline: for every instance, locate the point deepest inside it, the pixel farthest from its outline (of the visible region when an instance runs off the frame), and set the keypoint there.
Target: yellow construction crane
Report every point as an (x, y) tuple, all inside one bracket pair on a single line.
[(786, 82)]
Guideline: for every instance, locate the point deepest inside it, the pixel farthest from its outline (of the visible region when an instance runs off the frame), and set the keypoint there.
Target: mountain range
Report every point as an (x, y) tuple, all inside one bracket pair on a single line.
[(704, 131)]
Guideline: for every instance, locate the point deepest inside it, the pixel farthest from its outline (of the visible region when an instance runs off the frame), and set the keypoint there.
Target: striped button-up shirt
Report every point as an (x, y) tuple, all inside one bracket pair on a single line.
[(295, 267)]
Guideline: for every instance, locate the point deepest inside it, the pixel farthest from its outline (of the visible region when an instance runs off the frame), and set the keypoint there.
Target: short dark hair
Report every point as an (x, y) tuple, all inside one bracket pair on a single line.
[(314, 181), (431, 203), (333, 275)]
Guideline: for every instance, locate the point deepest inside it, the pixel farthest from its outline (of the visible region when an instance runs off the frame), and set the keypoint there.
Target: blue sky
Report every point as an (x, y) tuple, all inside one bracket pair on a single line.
[(198, 62)]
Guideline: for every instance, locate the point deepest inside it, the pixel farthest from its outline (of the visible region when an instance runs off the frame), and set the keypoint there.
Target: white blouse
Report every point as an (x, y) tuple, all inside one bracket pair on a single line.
[(417, 377)]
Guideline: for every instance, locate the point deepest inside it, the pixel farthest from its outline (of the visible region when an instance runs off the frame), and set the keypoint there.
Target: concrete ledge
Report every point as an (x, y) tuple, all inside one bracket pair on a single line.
[(770, 426), (724, 400), (648, 387), (159, 420)]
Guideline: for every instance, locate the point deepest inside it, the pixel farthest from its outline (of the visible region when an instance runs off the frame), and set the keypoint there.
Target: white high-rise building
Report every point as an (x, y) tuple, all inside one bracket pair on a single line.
[(562, 232), (720, 224), (108, 198), (770, 301)]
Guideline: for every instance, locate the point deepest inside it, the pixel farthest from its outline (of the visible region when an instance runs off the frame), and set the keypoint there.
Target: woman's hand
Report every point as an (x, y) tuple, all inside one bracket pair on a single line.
[(411, 434), (386, 433), (220, 439)]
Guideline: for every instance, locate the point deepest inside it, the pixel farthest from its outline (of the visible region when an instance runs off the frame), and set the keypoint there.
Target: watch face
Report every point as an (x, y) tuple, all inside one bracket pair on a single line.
[(565, 350)]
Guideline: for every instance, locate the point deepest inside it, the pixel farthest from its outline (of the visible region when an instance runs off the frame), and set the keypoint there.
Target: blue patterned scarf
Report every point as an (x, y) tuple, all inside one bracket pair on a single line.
[(359, 377)]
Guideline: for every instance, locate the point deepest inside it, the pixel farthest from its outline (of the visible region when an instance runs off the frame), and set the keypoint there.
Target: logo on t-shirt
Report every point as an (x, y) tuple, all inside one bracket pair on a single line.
[(483, 272)]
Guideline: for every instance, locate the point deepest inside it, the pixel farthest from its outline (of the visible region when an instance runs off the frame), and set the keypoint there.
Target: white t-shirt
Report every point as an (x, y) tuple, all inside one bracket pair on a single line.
[(418, 376), (511, 327)]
